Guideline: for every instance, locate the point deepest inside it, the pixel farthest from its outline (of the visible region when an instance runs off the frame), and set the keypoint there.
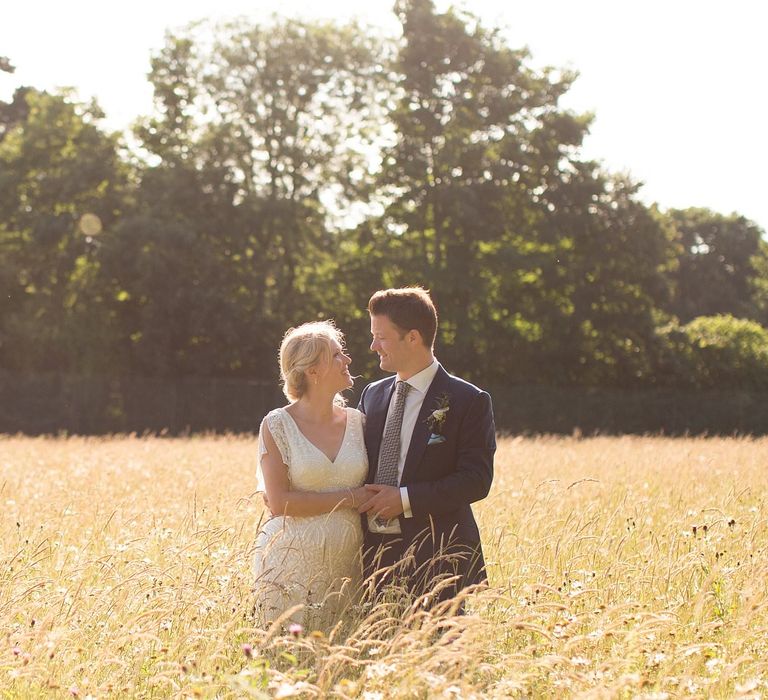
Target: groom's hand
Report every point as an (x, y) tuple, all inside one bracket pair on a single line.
[(384, 501)]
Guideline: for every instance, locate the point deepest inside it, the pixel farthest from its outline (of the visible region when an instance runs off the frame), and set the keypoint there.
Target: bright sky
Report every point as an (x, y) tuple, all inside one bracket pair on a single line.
[(678, 86)]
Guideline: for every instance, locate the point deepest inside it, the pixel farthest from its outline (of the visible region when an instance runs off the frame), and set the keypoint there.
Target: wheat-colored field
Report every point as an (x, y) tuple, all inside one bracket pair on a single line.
[(620, 567)]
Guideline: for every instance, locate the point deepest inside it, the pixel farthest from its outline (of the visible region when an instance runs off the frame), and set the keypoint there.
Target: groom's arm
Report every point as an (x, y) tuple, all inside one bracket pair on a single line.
[(471, 479)]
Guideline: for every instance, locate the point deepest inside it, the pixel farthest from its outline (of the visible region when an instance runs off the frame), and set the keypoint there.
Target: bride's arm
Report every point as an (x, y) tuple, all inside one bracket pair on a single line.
[(283, 501)]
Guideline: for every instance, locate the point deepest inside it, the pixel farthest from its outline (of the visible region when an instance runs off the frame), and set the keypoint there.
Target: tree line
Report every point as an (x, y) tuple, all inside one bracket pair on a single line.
[(291, 168)]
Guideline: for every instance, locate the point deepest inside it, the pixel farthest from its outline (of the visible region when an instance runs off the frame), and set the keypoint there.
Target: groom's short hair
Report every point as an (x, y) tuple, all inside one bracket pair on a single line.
[(409, 308)]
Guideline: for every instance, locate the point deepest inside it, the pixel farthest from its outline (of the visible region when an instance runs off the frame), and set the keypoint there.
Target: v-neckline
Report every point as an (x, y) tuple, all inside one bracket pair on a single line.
[(343, 437)]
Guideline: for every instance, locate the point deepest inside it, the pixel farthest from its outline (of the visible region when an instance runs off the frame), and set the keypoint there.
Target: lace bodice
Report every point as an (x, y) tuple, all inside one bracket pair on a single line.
[(309, 468)]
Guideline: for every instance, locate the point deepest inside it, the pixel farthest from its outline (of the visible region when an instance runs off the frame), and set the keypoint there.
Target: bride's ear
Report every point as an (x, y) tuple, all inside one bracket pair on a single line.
[(313, 375)]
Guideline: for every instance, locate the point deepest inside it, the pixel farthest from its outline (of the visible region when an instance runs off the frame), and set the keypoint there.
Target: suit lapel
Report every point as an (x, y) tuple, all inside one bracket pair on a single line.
[(421, 431), (375, 419)]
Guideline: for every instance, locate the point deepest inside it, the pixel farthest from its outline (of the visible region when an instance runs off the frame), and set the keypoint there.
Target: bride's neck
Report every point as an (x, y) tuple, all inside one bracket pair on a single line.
[(314, 408)]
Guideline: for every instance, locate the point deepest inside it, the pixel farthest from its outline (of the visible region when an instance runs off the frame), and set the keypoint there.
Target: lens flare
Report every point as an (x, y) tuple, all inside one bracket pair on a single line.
[(89, 225)]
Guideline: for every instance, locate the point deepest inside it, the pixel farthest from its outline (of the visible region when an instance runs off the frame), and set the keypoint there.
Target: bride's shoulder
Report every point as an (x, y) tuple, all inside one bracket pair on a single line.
[(274, 417), (276, 411), (279, 410), (355, 414)]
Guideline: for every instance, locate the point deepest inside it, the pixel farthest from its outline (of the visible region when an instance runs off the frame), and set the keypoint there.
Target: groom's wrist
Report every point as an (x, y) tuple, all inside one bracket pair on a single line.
[(406, 502)]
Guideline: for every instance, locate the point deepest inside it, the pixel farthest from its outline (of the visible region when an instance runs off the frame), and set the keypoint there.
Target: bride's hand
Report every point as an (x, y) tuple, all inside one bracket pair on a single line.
[(266, 502)]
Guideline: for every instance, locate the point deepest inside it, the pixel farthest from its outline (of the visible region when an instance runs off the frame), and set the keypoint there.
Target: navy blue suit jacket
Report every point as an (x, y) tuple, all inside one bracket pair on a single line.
[(442, 478)]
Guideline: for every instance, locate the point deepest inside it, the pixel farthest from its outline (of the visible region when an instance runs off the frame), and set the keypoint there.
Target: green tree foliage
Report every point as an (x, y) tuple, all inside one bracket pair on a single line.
[(759, 282), (298, 105), (718, 261), (169, 263), (478, 136), (613, 258), (291, 168), (715, 352), (56, 167), (14, 112), (255, 131), (533, 253)]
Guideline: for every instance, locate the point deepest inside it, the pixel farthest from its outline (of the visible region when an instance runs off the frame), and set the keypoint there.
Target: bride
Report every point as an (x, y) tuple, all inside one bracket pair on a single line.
[(312, 466)]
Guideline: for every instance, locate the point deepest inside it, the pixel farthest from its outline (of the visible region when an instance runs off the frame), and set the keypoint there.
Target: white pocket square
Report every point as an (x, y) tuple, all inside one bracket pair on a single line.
[(435, 439)]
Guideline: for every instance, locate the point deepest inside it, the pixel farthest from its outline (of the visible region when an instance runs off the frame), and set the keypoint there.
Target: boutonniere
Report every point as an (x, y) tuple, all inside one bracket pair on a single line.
[(436, 419)]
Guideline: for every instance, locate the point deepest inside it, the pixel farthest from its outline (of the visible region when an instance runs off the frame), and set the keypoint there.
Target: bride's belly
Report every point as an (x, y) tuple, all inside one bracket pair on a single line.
[(333, 536)]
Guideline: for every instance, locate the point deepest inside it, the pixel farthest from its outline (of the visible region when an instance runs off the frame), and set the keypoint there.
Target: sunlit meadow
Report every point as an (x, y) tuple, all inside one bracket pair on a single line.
[(620, 567)]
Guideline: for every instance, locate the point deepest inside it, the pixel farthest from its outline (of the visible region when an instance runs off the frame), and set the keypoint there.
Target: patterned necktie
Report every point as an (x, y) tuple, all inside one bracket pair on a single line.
[(389, 456)]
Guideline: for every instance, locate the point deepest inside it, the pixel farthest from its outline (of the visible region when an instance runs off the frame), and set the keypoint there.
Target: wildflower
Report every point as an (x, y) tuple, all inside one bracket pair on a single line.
[(248, 650), (295, 629), (432, 680), (221, 553), (712, 664), (747, 687), (287, 690), (16, 651), (346, 687), (379, 670)]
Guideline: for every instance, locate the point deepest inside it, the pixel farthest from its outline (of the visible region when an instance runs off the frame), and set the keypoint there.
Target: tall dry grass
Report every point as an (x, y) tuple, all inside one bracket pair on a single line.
[(620, 567)]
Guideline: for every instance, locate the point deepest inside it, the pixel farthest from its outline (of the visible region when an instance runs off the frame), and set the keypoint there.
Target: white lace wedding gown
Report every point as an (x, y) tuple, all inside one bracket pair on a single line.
[(311, 560)]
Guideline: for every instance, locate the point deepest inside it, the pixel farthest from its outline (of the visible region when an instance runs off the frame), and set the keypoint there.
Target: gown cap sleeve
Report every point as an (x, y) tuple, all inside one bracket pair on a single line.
[(273, 421)]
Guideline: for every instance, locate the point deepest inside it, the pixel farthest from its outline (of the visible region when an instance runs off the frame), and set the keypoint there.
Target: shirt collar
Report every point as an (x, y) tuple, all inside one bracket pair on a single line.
[(423, 379)]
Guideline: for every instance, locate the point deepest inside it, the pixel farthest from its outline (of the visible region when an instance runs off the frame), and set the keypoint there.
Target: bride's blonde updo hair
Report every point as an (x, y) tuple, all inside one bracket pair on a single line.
[(302, 348)]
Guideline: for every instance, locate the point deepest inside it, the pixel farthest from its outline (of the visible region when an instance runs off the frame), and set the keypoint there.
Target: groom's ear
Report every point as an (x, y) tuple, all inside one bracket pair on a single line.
[(414, 337)]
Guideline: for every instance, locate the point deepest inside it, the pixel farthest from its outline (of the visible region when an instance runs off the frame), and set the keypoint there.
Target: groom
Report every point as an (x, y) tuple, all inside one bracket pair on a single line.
[(430, 439)]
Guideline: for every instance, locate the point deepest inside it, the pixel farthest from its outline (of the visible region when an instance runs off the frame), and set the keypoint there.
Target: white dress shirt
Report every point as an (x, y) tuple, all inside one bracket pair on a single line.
[(420, 384)]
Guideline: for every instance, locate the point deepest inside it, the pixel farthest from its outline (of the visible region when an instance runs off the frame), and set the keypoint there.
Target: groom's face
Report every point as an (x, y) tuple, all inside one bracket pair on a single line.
[(392, 347)]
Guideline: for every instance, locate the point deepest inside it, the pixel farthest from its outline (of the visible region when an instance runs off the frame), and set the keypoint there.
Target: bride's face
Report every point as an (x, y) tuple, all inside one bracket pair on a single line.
[(333, 374)]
